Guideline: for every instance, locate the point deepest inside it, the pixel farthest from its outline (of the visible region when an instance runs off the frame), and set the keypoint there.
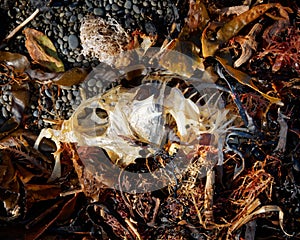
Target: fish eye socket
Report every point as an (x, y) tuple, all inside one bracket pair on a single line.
[(101, 113)]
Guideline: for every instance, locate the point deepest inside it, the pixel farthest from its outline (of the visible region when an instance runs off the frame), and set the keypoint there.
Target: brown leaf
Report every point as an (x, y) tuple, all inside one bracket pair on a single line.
[(71, 77), (8, 126), (21, 95), (38, 193), (17, 61), (42, 50)]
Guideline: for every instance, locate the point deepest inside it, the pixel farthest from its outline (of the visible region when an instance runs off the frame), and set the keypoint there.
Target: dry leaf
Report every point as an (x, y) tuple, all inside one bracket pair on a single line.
[(16, 60), (71, 77), (42, 50)]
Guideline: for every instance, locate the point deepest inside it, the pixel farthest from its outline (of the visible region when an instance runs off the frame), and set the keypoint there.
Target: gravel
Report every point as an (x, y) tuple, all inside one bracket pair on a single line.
[(99, 11), (61, 23)]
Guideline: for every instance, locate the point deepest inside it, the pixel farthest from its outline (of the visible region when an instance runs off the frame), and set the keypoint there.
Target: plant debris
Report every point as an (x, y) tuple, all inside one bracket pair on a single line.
[(42, 50)]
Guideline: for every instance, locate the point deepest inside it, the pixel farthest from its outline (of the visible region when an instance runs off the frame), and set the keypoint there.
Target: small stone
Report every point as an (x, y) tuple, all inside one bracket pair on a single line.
[(92, 82), (5, 98), (64, 99), (69, 96), (73, 18), (57, 105), (49, 33), (80, 16), (79, 58), (115, 7), (71, 60), (4, 113), (76, 93), (128, 4), (60, 42), (99, 11), (153, 3), (35, 113), (68, 14), (48, 15), (48, 93), (159, 12), (99, 84), (88, 3), (73, 41), (107, 7), (136, 9), (65, 51)]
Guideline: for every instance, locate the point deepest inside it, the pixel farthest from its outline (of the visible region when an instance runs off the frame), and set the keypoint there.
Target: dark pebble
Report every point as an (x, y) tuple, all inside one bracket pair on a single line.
[(69, 96), (64, 99), (91, 82), (48, 15), (71, 60), (4, 113), (89, 4), (136, 9), (115, 7), (80, 16), (48, 93), (153, 3), (68, 14), (73, 41), (5, 98), (99, 11), (79, 58), (73, 18), (59, 41), (159, 12), (128, 4), (35, 113)]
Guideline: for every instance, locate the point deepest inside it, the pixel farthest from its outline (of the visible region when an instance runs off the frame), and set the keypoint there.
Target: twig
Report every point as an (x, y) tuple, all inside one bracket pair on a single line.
[(282, 133), (155, 212), (27, 20), (133, 229), (208, 197)]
